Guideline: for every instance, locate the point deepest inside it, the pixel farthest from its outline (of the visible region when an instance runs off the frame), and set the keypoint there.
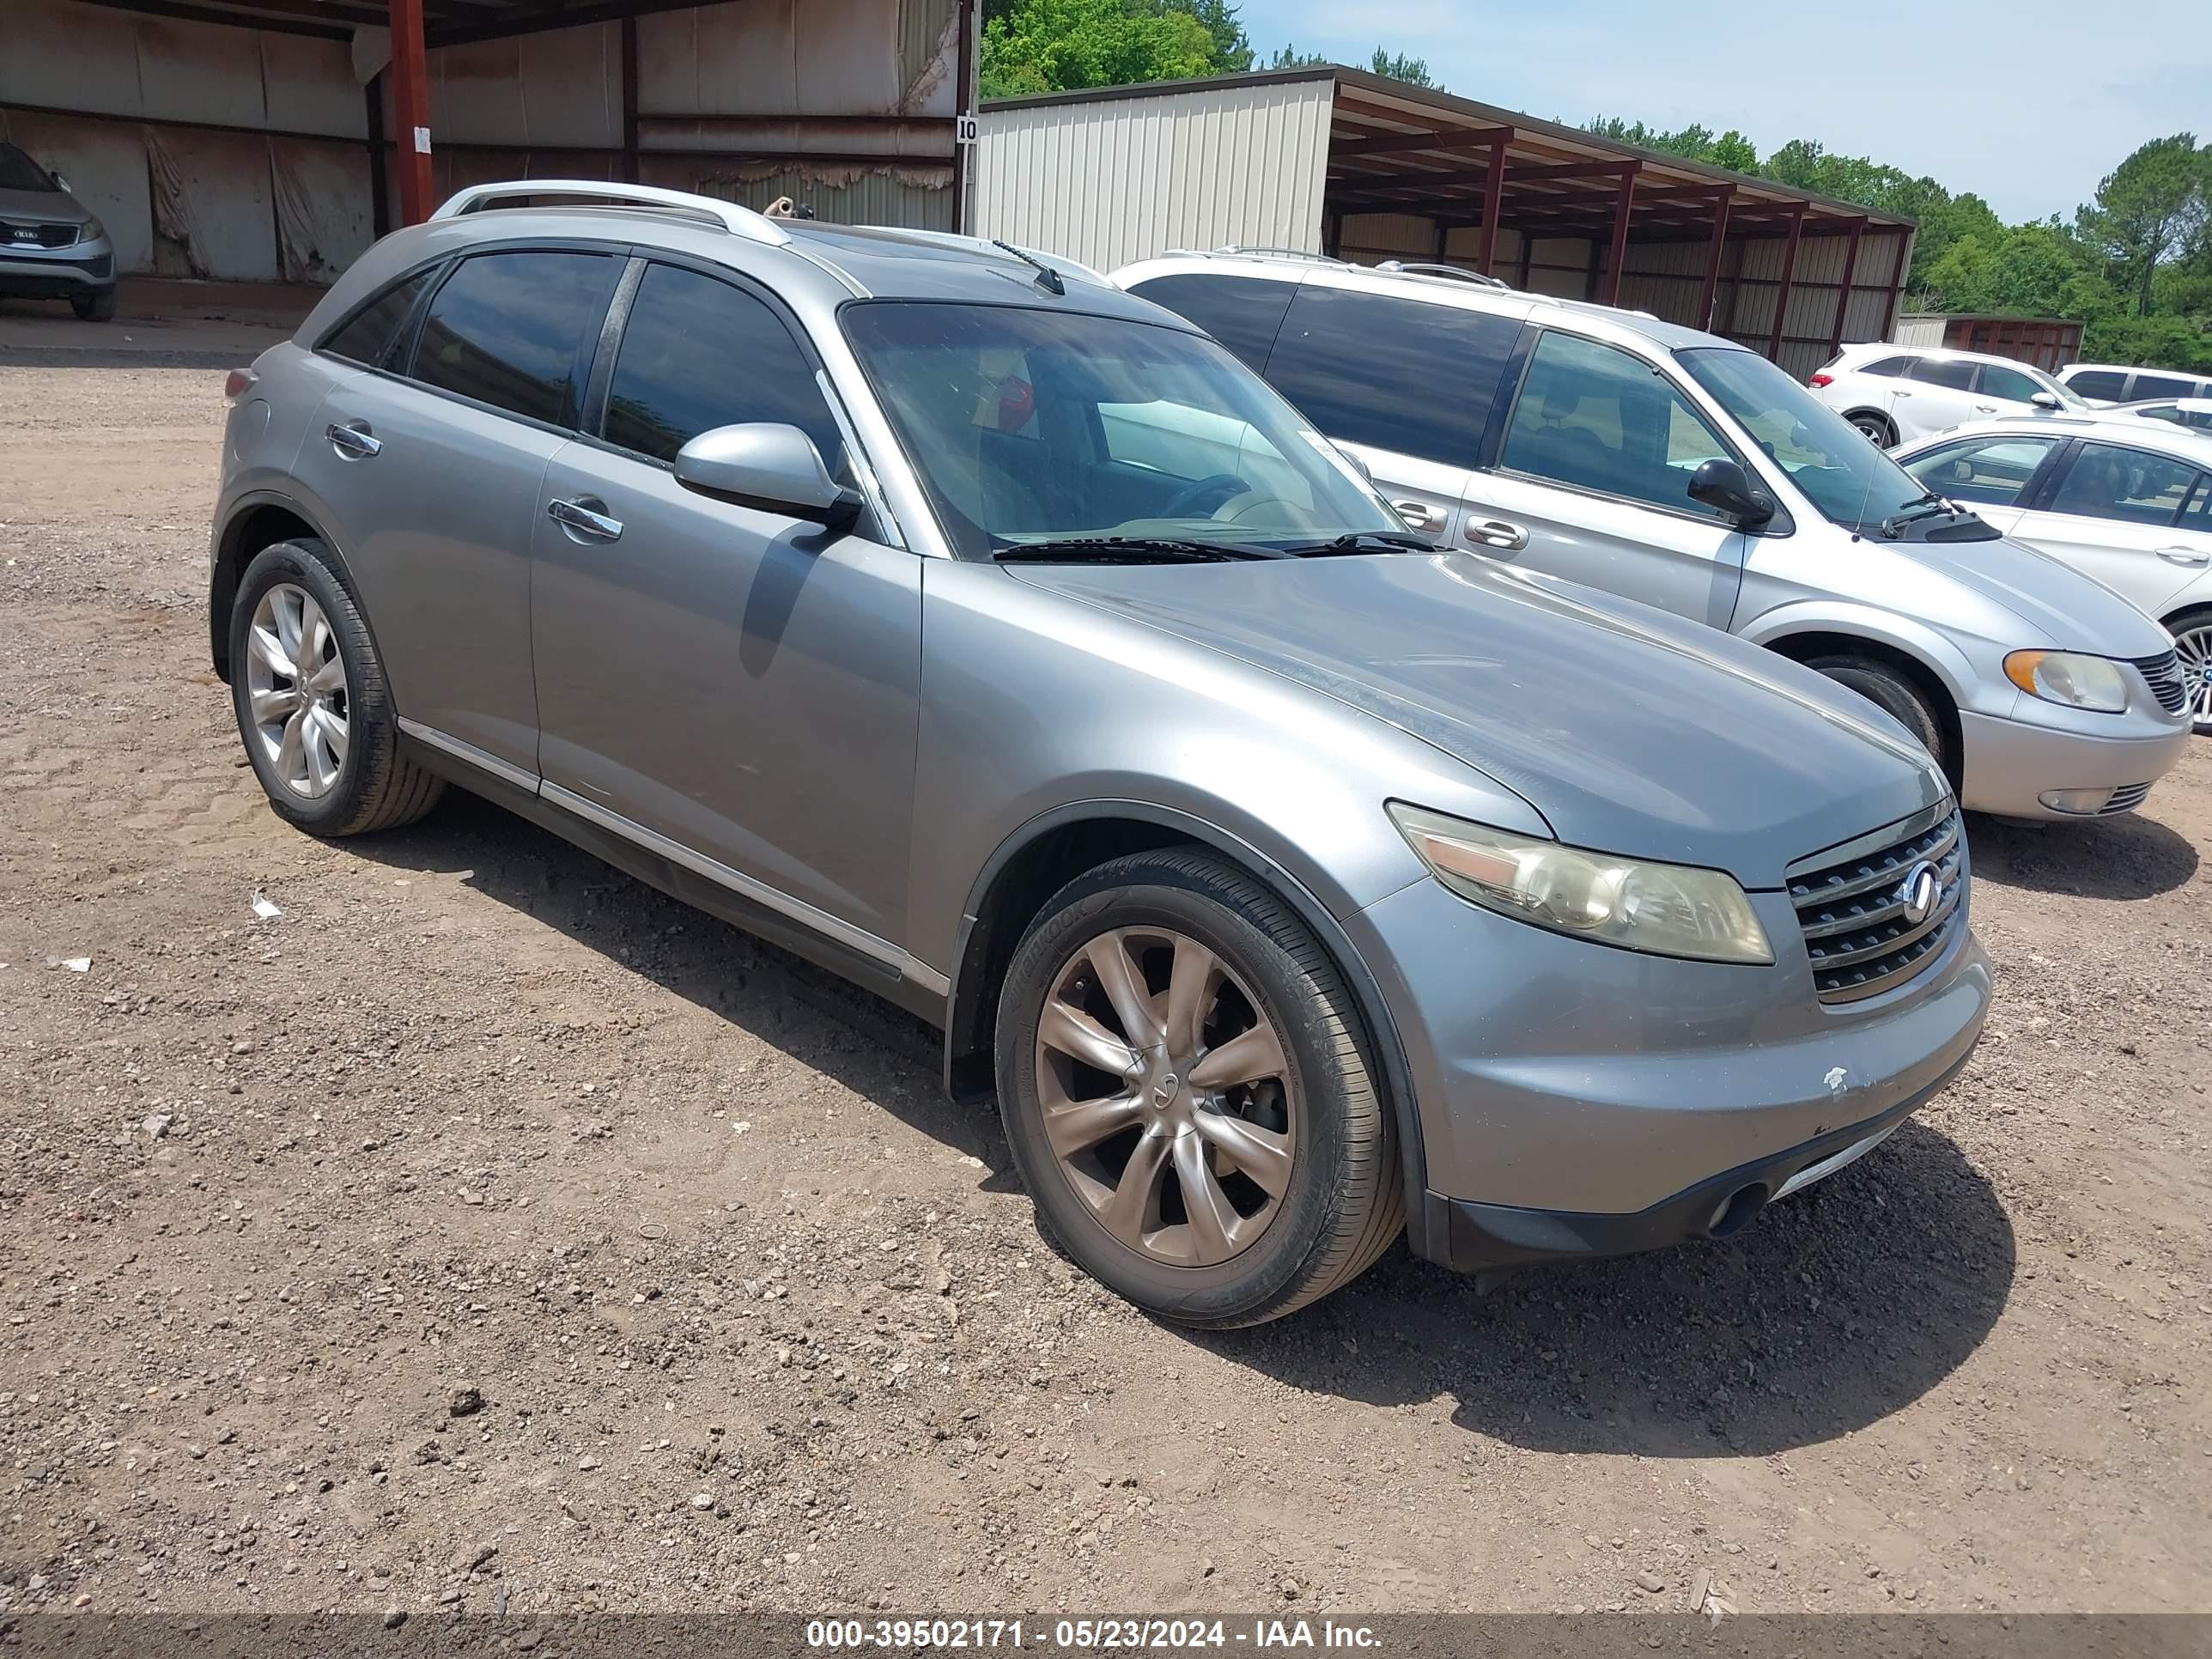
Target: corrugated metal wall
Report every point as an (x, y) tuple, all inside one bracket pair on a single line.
[(213, 150), (1108, 181)]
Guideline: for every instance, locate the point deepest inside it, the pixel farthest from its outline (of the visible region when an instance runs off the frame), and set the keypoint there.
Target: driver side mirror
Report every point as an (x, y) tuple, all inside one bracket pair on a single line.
[(2045, 400), (769, 466), (58, 179), (1722, 485)]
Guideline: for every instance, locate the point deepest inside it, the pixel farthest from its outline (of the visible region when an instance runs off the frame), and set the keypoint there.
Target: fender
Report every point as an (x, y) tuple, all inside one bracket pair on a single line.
[(1924, 645), (223, 570), (1380, 1028)]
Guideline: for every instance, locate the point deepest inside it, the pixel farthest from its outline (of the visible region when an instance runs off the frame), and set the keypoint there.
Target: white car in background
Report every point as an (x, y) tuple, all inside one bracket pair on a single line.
[(2124, 499), (2195, 413), (1895, 395), (2116, 383)]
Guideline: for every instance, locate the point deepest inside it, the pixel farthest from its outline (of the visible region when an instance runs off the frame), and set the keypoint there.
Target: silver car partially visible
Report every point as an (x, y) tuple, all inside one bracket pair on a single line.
[(51, 245)]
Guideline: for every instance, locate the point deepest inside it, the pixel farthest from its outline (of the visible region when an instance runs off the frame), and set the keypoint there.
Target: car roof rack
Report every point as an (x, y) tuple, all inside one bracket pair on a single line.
[(1276, 252), (704, 210), (1428, 268)]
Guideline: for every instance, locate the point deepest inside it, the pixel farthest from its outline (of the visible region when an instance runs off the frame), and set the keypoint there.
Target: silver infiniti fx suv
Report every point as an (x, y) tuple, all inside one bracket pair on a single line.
[(996, 638)]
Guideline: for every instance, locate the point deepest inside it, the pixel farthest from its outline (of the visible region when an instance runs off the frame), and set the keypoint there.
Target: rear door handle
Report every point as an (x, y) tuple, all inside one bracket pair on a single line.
[(2183, 555), (353, 440), (585, 518), (1496, 532), (1419, 515)]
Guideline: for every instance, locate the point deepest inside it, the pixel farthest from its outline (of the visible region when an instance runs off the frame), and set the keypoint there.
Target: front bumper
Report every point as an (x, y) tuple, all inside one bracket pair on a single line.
[(58, 274), (1573, 1099), (2009, 765)]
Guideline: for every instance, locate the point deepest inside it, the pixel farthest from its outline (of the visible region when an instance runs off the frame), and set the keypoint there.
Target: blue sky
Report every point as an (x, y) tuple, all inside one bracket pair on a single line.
[(2027, 102)]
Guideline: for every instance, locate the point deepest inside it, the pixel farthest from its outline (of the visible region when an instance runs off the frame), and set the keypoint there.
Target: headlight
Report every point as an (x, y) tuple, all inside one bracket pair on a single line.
[(91, 231), (1664, 910), (2069, 678)]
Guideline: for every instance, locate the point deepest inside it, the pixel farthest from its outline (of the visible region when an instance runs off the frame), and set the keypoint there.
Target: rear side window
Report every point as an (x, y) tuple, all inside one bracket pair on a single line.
[(2128, 486), (1244, 313), (2009, 383), (2161, 386), (1888, 368), (1414, 378), (1942, 371), (367, 336), (697, 354), (1991, 470), (2098, 383), (513, 331), (1595, 417)]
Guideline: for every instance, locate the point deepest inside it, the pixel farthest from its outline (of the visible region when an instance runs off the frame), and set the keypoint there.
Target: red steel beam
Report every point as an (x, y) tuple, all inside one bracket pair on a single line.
[(411, 104), (1720, 199), (1788, 271), (1844, 289), (1493, 200), (1621, 210)]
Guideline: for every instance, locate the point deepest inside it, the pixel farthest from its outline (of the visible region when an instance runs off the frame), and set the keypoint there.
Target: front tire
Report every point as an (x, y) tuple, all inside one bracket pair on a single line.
[(2192, 643), (1184, 1089), (98, 307), (312, 703), (1896, 696)]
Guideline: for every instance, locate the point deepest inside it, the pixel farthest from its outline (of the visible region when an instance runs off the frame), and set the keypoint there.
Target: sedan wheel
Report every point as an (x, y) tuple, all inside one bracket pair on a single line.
[(1875, 429), (296, 683), (1172, 1113), (2192, 643)]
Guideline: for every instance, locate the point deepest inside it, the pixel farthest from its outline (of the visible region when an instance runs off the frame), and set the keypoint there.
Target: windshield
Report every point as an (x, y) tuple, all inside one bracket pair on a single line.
[(1042, 426), (1828, 458), (19, 172)]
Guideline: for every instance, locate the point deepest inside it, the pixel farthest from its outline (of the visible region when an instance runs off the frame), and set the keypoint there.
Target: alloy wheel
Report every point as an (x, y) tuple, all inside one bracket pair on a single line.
[(296, 694), (1171, 1109), (2194, 646), (1875, 432)]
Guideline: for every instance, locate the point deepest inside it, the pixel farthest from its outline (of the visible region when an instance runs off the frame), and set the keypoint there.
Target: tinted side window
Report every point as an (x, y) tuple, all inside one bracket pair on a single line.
[(697, 354), (1244, 313), (1992, 470), (2161, 386), (1938, 371), (2010, 382), (1888, 368), (367, 336), (513, 330), (2130, 486), (1414, 378), (1595, 417), (2098, 383)]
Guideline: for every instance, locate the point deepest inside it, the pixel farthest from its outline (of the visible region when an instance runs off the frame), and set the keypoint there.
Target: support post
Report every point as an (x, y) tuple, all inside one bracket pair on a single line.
[(1896, 281), (630, 99), (1782, 295), (964, 103), (1622, 204), (410, 109), (1844, 293), (1722, 197), (380, 180), (1493, 201)]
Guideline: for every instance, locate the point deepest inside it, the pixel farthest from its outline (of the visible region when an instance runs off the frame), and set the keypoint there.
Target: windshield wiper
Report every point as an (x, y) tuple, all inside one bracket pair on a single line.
[(1929, 505), (1128, 549), (1365, 541)]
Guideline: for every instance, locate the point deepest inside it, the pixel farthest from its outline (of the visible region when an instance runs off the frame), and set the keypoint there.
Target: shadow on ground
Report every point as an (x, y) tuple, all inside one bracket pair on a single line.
[(2123, 857), (1836, 1309)]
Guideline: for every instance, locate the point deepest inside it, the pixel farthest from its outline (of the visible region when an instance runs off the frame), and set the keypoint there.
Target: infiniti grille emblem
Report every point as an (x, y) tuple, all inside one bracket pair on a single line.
[(1921, 892)]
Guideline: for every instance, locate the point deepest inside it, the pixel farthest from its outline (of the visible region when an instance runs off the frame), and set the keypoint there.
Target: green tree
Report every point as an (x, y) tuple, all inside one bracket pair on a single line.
[(1054, 46), (1396, 66), (2148, 209)]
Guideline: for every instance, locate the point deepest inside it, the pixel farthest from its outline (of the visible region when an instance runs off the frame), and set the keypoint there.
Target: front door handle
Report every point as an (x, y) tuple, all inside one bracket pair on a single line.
[(585, 518), (1496, 532), (1419, 515), (2183, 555), (1986, 409), (353, 440)]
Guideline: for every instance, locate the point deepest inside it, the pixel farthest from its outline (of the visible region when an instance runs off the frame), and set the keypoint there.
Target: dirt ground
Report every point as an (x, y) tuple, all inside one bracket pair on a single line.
[(487, 1230)]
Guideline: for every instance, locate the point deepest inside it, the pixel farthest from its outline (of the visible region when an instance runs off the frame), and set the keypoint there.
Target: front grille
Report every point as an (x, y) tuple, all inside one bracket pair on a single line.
[(2162, 673), (36, 236), (2125, 799), (1852, 906)]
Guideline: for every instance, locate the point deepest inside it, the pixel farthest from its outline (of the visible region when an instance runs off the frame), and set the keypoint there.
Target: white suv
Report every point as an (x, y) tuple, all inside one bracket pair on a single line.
[(1894, 395), (2115, 383)]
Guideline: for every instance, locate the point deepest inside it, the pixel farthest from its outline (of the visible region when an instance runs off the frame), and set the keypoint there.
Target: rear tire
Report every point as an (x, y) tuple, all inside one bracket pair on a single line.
[(1880, 431), (2192, 643), (316, 718), (98, 307), (1293, 1147), (1896, 696)]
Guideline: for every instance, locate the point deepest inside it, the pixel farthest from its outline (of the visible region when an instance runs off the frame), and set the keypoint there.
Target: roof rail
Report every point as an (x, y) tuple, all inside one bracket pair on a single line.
[(706, 210), (1426, 267), (1279, 252)]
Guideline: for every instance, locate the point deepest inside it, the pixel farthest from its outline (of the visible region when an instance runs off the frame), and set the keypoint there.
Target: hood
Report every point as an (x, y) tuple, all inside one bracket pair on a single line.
[(1631, 730), (2065, 609), (55, 206)]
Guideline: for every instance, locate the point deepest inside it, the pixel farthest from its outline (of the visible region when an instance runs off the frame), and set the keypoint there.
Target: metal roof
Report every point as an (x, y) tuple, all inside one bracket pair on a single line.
[(444, 22)]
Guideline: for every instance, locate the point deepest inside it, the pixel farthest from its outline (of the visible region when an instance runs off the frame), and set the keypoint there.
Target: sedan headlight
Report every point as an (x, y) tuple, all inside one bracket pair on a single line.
[(2069, 678), (1663, 909)]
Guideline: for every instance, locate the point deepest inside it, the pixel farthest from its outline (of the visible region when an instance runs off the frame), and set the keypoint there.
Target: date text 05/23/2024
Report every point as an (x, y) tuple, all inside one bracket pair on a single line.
[(1086, 1635)]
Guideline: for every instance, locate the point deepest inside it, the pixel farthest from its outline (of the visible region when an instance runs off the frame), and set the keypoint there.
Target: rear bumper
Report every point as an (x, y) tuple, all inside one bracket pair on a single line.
[(1469, 1236), (2010, 765)]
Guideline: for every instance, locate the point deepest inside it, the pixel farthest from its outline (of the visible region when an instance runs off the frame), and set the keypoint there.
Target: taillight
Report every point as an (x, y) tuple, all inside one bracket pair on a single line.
[(241, 381), (1821, 378)]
